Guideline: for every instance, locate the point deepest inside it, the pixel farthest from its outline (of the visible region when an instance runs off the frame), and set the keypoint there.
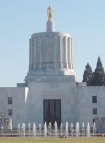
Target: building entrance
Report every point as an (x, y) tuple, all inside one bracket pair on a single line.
[(52, 111)]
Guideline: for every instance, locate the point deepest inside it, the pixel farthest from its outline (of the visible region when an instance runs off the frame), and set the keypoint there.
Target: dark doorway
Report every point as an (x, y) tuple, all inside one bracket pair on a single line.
[(52, 111)]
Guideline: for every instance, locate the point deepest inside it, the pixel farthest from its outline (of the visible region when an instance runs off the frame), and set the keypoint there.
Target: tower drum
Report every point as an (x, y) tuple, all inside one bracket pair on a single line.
[(50, 50)]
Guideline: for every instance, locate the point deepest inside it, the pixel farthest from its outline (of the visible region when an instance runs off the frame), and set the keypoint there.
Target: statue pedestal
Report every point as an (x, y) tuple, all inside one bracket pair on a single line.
[(50, 26)]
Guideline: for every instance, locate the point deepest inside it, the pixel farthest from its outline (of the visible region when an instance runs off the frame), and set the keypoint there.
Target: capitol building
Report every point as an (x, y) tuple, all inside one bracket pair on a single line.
[(51, 91)]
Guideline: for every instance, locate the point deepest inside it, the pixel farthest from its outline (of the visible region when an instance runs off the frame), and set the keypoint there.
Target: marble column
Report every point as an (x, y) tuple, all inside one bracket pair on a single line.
[(61, 51), (30, 54), (41, 52), (34, 53), (71, 56)]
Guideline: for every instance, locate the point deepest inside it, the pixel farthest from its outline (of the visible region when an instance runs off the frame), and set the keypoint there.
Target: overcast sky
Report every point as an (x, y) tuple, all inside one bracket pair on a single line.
[(84, 20)]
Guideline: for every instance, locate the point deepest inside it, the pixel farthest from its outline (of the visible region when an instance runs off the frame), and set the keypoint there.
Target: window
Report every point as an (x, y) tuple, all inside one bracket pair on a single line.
[(10, 112), (94, 99), (94, 110), (9, 100)]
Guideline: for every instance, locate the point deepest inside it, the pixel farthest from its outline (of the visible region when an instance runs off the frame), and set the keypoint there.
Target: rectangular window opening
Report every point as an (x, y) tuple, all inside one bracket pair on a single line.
[(9, 100), (94, 110), (94, 99)]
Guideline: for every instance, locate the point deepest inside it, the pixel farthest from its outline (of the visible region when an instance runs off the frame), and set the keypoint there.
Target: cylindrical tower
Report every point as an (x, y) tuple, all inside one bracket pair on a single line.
[(50, 53)]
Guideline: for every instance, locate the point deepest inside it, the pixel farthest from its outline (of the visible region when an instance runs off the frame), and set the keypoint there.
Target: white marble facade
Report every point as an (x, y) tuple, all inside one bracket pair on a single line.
[(51, 76)]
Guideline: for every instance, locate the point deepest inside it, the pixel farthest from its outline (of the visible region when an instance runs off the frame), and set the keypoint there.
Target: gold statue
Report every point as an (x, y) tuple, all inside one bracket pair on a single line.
[(49, 13)]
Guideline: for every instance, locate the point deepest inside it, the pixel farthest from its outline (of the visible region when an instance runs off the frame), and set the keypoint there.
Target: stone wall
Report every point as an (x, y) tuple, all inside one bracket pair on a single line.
[(19, 96)]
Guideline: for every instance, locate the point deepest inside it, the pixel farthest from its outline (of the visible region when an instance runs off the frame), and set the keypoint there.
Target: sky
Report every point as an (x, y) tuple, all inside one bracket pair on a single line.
[(84, 20)]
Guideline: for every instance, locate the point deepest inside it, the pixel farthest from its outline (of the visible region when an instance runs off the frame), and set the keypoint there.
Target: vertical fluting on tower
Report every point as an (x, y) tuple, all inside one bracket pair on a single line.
[(50, 51)]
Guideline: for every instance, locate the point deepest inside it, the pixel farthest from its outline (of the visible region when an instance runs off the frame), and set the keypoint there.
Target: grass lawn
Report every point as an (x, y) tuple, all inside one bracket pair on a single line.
[(52, 140)]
